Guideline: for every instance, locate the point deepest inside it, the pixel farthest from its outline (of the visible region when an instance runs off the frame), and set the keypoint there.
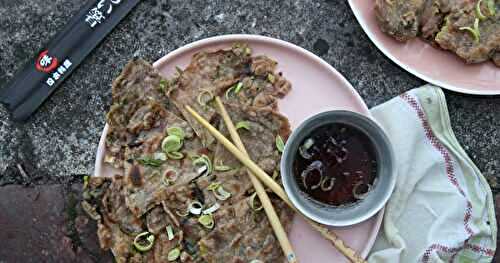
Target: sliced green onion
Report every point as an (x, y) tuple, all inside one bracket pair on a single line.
[(150, 161), (222, 168), (327, 184), (170, 232), (85, 181), (205, 97), (238, 87), (361, 195), (229, 91), (303, 149), (163, 85), (204, 165), (171, 143), (207, 221), (234, 89), (160, 156), (221, 193), (174, 254), (211, 209), (271, 78), (179, 132), (144, 241), (280, 145), (213, 186), (195, 208), (479, 14), (175, 155), (473, 31), (90, 210), (308, 144), (252, 203), (193, 156), (169, 177), (314, 166), (318, 185), (243, 125), (491, 7)]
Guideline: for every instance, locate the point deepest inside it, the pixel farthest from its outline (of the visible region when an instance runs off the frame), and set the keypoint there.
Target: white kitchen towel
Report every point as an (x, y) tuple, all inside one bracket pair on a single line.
[(442, 207)]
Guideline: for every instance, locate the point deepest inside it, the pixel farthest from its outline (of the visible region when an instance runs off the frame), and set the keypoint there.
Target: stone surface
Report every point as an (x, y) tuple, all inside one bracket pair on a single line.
[(496, 259), (46, 224), (59, 142)]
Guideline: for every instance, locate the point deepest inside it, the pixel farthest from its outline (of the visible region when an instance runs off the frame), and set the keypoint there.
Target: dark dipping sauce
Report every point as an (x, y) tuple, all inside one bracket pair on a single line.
[(336, 165)]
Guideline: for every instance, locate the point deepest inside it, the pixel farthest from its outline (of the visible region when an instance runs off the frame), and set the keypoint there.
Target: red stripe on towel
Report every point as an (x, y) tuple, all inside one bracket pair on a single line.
[(450, 173)]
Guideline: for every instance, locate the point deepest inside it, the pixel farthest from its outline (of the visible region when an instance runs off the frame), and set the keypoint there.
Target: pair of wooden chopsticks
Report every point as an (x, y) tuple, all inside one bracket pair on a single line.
[(279, 231), (256, 171)]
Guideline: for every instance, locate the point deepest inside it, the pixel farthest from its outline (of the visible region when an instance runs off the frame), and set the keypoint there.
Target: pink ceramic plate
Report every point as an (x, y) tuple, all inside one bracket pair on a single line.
[(433, 65), (316, 87)]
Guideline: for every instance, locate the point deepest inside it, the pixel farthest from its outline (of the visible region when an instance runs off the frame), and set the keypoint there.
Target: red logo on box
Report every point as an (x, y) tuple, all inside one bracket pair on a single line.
[(46, 63)]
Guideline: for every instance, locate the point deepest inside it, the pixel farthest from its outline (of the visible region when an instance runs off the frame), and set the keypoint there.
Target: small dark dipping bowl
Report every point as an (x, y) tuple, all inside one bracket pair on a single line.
[(338, 168)]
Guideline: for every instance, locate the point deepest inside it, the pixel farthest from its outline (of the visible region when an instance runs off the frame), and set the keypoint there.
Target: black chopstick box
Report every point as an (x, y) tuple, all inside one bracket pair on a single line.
[(41, 76)]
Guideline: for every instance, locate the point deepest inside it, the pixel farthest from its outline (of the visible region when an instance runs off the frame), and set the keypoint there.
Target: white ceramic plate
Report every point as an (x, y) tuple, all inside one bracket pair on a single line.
[(439, 67), (316, 87)]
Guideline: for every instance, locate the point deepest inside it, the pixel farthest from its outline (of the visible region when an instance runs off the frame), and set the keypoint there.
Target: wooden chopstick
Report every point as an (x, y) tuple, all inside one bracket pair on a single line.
[(256, 170), (348, 252), (279, 231)]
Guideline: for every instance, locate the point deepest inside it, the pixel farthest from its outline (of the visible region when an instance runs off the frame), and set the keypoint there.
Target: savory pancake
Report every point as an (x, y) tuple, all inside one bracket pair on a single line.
[(468, 28), (180, 195)]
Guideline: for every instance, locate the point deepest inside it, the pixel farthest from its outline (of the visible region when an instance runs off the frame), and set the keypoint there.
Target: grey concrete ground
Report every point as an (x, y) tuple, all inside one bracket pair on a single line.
[(58, 144)]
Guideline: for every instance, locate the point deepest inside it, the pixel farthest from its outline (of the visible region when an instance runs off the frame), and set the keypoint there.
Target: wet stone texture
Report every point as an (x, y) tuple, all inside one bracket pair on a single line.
[(56, 147), (45, 223)]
